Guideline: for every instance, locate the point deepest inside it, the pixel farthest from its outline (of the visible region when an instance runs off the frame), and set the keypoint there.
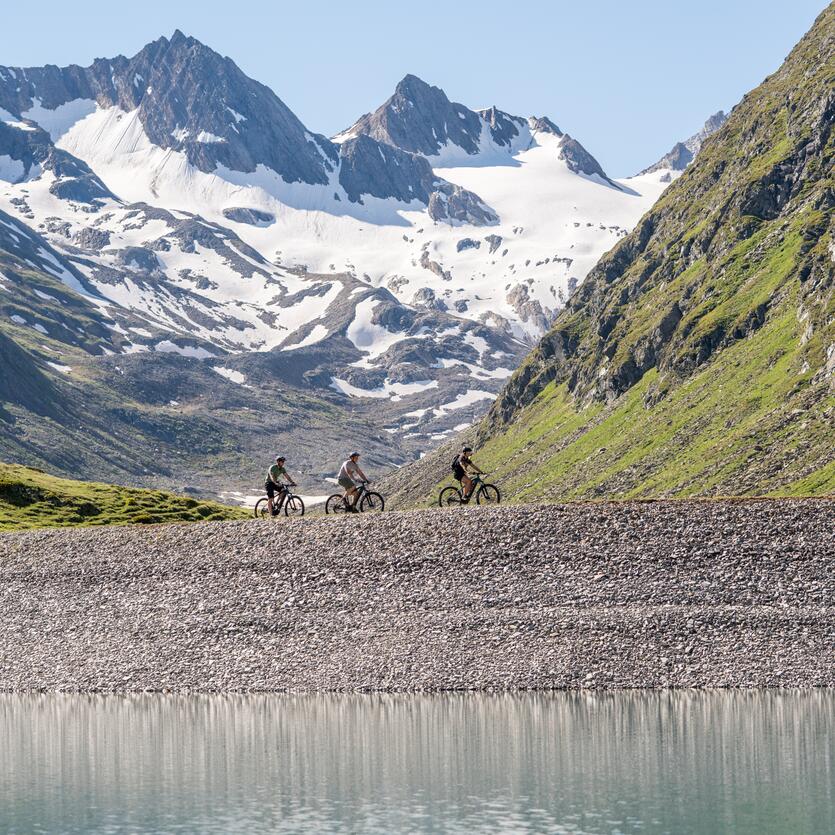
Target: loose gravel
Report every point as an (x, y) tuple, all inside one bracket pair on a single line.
[(737, 593)]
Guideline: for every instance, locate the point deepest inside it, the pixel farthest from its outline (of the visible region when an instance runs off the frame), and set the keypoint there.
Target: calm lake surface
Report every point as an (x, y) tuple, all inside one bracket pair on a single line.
[(678, 762)]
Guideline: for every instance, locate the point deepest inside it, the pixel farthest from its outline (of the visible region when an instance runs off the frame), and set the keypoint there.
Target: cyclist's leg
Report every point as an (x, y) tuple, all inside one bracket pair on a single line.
[(282, 495), (467, 484), (270, 488), (350, 488), (351, 497)]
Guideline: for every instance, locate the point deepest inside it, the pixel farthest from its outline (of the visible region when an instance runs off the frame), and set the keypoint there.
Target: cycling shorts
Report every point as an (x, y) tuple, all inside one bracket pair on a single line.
[(273, 488)]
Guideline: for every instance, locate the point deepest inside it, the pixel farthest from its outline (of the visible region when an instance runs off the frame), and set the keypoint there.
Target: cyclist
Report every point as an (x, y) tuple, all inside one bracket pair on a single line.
[(461, 465), (349, 478), (274, 486)]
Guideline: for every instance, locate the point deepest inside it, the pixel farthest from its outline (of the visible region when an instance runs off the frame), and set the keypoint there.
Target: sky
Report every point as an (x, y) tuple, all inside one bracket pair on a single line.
[(627, 78)]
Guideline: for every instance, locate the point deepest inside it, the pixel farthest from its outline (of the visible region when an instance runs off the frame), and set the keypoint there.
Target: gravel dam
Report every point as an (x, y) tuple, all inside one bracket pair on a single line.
[(724, 593)]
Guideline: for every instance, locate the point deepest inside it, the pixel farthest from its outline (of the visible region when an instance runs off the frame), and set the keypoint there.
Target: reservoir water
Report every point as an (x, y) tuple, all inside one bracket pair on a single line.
[(626, 762)]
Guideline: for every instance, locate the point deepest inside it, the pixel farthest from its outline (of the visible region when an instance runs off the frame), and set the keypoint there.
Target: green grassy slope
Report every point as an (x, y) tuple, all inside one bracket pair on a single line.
[(698, 357), (30, 498)]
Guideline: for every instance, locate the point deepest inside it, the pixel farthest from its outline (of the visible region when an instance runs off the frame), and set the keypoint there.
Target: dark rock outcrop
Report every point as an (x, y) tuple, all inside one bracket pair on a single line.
[(252, 217)]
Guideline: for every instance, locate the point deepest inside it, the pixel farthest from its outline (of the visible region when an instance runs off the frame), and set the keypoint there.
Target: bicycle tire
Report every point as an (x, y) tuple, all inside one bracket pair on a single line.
[(372, 502), (294, 506), (262, 509), (488, 494), (335, 504), (449, 496)]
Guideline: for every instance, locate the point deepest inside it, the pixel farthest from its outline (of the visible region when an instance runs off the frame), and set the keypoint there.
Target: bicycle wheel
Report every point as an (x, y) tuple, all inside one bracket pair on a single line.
[(372, 502), (294, 506), (488, 494), (449, 496), (335, 504), (262, 509)]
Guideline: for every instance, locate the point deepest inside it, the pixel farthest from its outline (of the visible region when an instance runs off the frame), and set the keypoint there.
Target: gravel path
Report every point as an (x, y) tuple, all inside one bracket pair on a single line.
[(658, 594)]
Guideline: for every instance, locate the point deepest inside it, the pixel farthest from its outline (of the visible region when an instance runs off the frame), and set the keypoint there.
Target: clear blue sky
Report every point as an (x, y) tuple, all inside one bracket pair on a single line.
[(627, 78)]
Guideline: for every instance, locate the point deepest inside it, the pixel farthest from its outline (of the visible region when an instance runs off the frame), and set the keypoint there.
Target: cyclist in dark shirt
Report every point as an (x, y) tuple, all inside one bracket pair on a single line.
[(462, 465)]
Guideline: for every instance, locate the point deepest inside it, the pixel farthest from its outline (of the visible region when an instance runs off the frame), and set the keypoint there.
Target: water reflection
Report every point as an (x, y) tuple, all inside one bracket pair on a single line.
[(626, 762)]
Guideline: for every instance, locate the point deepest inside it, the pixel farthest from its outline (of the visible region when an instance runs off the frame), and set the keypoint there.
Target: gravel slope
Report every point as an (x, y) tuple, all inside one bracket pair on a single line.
[(724, 593)]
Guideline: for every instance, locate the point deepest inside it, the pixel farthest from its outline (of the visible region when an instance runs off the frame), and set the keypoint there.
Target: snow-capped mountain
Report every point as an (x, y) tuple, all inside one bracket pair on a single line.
[(683, 153), (407, 263)]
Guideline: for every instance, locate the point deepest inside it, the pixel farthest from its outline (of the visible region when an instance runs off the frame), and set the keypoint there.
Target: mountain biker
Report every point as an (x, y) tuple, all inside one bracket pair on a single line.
[(349, 478), (274, 486), (461, 464)]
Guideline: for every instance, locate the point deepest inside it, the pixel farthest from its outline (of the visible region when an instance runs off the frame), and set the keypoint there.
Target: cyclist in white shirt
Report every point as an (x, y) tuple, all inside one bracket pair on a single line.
[(349, 478)]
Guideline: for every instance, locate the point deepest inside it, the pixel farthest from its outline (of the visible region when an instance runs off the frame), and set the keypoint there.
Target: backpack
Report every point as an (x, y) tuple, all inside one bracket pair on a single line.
[(456, 464)]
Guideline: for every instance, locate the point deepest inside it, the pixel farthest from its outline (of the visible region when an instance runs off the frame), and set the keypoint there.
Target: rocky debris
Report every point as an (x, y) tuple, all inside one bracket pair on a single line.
[(494, 242), (136, 258), (425, 297), (434, 267), (586, 596), (92, 239), (467, 243), (530, 310)]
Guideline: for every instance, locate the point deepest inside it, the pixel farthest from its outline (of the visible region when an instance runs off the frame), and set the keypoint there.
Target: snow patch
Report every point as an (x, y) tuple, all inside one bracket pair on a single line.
[(208, 138), (169, 347), (317, 334), (392, 391), (230, 374), (468, 398), (57, 121), (64, 369)]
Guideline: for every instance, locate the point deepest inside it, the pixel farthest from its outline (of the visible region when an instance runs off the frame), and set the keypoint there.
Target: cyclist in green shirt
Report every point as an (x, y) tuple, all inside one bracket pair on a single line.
[(274, 487)]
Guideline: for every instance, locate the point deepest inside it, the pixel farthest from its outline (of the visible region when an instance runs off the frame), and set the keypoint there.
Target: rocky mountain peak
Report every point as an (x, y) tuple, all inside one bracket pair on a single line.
[(683, 153), (420, 119), (542, 124)]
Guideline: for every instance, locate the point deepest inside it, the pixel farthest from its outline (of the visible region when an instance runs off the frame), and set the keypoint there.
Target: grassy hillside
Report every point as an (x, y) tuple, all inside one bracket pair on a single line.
[(30, 498), (698, 357)]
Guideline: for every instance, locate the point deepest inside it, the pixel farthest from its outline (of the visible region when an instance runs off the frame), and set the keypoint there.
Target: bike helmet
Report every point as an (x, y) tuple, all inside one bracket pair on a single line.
[(280, 458), (467, 449), (354, 455)]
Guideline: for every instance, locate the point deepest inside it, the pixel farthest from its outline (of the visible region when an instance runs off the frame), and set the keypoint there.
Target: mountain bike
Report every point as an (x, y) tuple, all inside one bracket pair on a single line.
[(366, 500), (484, 494), (293, 506)]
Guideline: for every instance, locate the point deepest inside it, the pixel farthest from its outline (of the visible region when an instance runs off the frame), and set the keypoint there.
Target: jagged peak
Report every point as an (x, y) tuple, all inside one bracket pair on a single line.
[(544, 125), (411, 82)]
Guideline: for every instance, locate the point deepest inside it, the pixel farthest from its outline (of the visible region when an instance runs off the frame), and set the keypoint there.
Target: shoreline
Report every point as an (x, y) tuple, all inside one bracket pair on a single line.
[(659, 595)]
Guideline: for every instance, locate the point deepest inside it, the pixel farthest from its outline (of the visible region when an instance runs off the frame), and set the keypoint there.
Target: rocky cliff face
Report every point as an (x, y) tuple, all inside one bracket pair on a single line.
[(189, 99), (421, 119)]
